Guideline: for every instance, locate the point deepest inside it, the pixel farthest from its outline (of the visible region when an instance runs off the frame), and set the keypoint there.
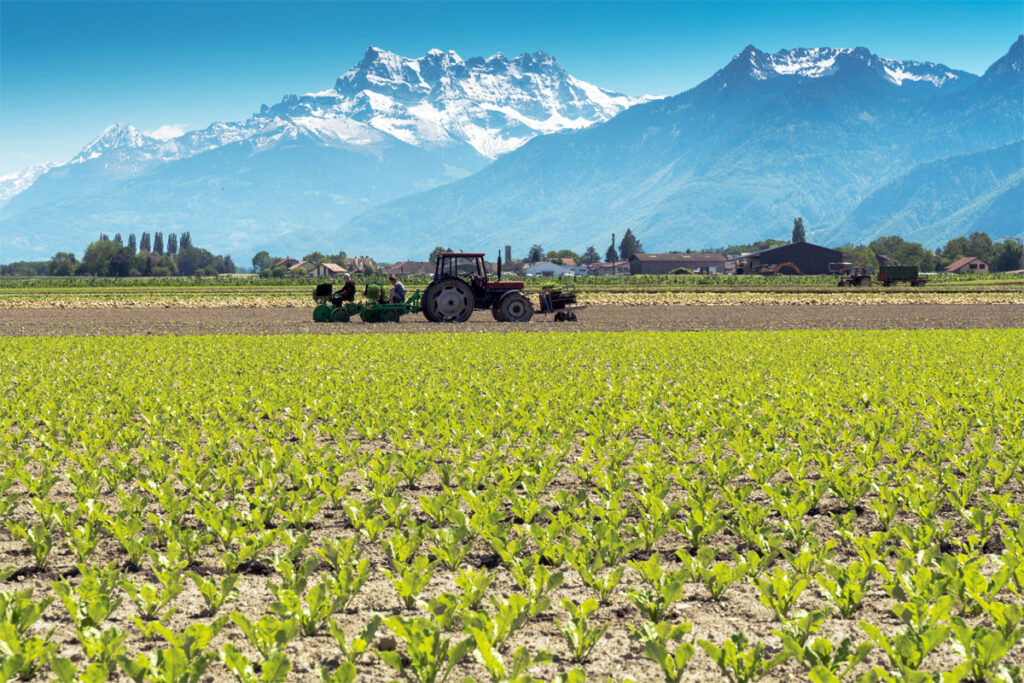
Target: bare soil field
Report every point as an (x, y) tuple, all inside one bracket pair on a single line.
[(290, 320)]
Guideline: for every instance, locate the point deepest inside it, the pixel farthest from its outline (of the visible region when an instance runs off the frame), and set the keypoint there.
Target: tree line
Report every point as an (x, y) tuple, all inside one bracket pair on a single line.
[(149, 255), (265, 265), (627, 247)]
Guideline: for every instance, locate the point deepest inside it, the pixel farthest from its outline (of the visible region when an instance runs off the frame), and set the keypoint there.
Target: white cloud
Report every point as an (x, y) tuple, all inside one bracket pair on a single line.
[(168, 131)]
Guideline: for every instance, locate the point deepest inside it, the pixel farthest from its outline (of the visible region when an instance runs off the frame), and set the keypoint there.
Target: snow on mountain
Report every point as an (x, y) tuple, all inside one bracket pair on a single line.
[(825, 61), (13, 183), (493, 104), (118, 138), (438, 101)]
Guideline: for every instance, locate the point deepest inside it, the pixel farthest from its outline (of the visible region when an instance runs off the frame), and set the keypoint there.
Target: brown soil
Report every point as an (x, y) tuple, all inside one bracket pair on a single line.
[(187, 321)]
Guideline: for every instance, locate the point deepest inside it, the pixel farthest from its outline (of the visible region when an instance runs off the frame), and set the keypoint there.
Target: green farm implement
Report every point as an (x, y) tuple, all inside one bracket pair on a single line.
[(377, 308)]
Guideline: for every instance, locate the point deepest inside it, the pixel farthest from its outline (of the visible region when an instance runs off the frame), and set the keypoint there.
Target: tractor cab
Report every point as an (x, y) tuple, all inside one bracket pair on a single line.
[(461, 265), (471, 268)]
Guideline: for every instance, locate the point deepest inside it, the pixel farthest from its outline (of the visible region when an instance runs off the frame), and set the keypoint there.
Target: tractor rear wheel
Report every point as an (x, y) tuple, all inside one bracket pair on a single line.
[(449, 300), (496, 313), (516, 308), (322, 313), (339, 315)]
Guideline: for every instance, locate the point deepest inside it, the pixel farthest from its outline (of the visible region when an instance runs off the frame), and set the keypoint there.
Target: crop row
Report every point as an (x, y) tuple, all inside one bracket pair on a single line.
[(227, 282), (216, 299), (656, 506)]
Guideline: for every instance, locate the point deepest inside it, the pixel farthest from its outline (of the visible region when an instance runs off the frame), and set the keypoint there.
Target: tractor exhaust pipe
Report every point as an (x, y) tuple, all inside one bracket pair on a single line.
[(499, 266)]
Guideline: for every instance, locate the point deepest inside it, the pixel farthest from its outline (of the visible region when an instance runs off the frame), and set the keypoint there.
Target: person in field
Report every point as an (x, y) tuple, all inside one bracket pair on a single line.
[(348, 290), (397, 290)]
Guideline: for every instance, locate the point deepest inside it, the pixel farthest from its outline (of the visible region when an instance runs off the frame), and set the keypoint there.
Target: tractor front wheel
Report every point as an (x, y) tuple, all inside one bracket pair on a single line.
[(449, 300), (339, 315), (516, 308)]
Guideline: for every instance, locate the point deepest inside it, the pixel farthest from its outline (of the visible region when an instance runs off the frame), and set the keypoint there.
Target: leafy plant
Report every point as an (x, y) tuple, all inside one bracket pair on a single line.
[(273, 669), (661, 589), (741, 662), (718, 577), (410, 579), (352, 650), (38, 537), (983, 649), (823, 660), (846, 585), (579, 635), (657, 638), (780, 591), (216, 595), (268, 635), (907, 650), (19, 611), (473, 585), (430, 657), (22, 657), (507, 618)]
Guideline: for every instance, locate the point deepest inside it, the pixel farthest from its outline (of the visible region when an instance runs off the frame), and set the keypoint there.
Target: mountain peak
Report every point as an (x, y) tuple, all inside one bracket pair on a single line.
[(1009, 66), (804, 63), (491, 104), (116, 136)]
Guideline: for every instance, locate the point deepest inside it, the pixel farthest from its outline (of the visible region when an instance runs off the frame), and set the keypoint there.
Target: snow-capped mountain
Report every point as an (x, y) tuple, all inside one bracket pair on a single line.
[(811, 133), (13, 183), (495, 104), (462, 108), (390, 126), (826, 61)]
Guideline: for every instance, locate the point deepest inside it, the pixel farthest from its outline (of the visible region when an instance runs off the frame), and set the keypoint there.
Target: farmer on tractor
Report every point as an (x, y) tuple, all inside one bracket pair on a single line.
[(348, 290)]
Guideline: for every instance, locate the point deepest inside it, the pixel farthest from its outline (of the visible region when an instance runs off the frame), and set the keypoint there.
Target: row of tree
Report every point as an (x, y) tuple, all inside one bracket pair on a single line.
[(1004, 255), (628, 246), (149, 255)]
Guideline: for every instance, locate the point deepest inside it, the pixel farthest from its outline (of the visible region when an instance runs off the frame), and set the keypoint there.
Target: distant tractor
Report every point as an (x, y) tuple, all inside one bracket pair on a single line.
[(889, 275), (461, 285), (851, 275)]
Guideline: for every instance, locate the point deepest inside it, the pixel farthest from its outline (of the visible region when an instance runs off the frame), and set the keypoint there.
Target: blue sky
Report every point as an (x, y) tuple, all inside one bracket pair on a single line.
[(68, 70)]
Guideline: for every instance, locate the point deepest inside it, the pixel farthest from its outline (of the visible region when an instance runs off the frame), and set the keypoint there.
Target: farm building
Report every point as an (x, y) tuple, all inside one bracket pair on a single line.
[(616, 268), (548, 269), (412, 268), (660, 264), (360, 263), (328, 270), (286, 262), (303, 268), (811, 259), (968, 264)]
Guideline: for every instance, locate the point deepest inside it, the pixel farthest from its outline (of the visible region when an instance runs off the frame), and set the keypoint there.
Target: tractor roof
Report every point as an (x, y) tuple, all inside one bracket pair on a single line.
[(461, 253)]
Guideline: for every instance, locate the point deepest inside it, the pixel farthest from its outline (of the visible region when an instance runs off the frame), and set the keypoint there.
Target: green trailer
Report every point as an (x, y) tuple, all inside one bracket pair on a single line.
[(377, 308), (889, 275)]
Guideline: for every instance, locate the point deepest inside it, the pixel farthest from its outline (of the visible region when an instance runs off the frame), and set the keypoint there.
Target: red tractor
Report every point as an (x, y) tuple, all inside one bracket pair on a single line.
[(461, 285)]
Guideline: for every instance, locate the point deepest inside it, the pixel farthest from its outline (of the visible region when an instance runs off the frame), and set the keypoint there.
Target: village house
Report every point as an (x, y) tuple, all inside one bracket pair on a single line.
[(968, 264)]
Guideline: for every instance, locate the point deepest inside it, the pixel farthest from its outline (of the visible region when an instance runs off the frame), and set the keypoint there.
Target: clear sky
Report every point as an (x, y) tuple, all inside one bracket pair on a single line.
[(68, 70)]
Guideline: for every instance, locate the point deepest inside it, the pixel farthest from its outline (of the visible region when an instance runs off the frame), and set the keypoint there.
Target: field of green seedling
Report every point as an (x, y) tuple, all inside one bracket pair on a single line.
[(734, 506)]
